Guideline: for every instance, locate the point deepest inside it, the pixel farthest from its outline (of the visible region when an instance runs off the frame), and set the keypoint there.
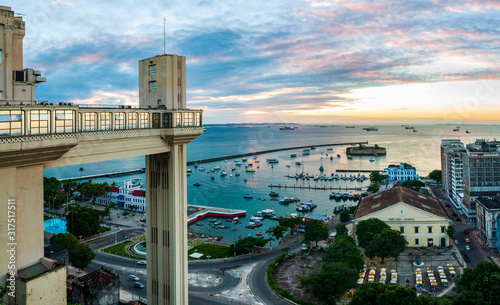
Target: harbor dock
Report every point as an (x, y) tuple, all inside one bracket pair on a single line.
[(315, 187)]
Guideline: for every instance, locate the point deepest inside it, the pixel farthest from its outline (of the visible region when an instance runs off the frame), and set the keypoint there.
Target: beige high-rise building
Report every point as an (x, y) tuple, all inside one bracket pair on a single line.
[(17, 84), (36, 136), (162, 81)]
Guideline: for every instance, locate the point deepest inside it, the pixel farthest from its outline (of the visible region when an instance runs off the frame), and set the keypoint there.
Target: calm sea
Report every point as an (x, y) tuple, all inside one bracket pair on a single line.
[(421, 149)]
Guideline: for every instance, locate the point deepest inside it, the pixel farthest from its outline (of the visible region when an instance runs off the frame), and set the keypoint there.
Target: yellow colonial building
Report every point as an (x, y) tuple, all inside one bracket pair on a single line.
[(421, 219)]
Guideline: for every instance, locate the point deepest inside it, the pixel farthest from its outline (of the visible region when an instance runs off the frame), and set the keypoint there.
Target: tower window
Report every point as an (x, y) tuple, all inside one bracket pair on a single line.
[(152, 86), (152, 70)]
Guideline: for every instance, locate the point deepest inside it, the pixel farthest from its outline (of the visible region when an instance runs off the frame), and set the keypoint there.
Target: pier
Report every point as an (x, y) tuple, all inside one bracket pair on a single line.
[(271, 151), (197, 212), (107, 175), (324, 188)]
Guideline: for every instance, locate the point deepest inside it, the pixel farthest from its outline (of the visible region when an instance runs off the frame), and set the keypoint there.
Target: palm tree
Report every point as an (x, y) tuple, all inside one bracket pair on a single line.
[(81, 170)]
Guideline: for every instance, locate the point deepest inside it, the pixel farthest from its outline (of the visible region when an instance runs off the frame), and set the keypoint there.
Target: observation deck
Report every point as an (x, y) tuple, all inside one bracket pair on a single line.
[(60, 134)]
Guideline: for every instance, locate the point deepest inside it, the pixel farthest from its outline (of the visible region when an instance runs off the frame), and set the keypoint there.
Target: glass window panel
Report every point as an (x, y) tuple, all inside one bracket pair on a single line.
[(35, 124), (35, 116), (43, 130), (4, 118), (69, 114), (44, 116), (4, 133), (34, 131), (15, 117), (16, 132), (68, 129), (15, 125), (59, 123), (59, 116), (44, 123), (5, 125)]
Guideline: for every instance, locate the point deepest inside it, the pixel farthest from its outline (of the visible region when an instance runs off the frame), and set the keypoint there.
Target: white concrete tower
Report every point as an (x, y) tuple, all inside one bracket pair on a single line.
[(162, 83)]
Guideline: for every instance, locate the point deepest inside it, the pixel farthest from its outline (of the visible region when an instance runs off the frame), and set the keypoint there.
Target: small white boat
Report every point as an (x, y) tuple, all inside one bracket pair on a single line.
[(371, 160)]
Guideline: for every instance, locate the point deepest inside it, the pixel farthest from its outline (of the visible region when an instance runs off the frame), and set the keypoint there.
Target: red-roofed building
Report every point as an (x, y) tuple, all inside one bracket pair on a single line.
[(129, 196), (421, 219)]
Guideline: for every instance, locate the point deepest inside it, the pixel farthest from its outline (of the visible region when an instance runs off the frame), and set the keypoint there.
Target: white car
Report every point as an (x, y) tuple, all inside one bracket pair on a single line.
[(467, 248), (133, 277), (456, 242), (141, 263)]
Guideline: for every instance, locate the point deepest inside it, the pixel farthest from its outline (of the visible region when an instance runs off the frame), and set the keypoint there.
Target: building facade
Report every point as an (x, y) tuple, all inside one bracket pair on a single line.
[(403, 172), (130, 196), (101, 287), (488, 213), (18, 84), (421, 219), (481, 170)]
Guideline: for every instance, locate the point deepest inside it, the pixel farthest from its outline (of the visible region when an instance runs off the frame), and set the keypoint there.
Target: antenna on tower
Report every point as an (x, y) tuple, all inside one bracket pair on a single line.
[(164, 20)]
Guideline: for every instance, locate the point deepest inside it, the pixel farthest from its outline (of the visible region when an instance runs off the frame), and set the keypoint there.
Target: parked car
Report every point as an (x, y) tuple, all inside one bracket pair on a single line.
[(467, 248), (466, 259), (138, 285), (456, 242), (133, 277), (467, 240), (141, 263)]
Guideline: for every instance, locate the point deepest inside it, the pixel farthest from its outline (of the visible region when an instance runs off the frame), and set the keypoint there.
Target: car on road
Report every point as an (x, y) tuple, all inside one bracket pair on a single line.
[(467, 248), (466, 231), (138, 285), (141, 263), (467, 240), (456, 242), (133, 277)]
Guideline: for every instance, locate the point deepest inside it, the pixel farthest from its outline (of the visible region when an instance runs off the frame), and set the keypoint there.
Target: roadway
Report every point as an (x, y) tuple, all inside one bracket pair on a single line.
[(124, 267), (476, 253)]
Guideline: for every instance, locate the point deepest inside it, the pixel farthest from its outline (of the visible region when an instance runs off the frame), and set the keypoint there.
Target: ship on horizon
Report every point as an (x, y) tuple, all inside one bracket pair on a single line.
[(288, 128), (372, 128)]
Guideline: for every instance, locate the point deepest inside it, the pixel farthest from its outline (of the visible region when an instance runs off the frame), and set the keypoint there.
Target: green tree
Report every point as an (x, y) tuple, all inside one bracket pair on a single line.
[(344, 216), (485, 278), (286, 251), (379, 293), (373, 188), (106, 212), (81, 255), (343, 250), (83, 221), (450, 231), (66, 239), (279, 231), (246, 244), (51, 188), (436, 175), (331, 282), (413, 184), (341, 230), (81, 170), (388, 243), (376, 177), (316, 230), (291, 222), (366, 230), (93, 190), (469, 297)]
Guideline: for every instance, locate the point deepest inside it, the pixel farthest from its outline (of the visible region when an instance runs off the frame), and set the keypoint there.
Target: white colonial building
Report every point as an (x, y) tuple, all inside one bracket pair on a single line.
[(422, 220), (130, 196), (403, 172)]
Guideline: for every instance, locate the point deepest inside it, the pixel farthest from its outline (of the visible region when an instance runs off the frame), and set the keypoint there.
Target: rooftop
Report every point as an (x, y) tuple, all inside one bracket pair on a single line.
[(54, 247), (395, 195), (490, 204), (99, 278)]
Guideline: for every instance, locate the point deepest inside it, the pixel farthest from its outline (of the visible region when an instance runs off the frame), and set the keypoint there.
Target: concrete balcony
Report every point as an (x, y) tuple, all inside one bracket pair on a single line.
[(59, 135)]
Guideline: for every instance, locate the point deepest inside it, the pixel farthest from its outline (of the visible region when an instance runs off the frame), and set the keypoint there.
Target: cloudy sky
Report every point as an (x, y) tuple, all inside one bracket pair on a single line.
[(322, 61)]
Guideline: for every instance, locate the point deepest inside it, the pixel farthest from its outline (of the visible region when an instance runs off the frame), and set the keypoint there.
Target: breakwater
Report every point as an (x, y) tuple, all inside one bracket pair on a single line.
[(142, 170), (271, 151), (338, 188)]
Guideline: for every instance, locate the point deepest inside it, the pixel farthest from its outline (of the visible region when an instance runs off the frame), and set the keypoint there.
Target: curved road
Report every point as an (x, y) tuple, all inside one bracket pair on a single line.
[(125, 267)]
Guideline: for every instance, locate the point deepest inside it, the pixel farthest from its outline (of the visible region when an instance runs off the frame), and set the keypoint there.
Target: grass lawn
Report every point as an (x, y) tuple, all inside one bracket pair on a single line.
[(104, 229), (119, 249), (215, 251)]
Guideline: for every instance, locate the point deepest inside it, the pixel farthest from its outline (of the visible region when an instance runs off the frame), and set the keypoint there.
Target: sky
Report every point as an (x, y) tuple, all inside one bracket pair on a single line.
[(278, 61)]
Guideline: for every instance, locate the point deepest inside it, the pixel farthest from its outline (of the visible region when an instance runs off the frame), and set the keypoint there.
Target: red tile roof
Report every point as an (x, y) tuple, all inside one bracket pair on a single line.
[(98, 278), (138, 193), (114, 189), (395, 195)]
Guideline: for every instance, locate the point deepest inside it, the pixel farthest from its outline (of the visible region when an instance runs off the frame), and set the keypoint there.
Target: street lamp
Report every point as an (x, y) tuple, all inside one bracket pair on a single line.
[(208, 261)]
